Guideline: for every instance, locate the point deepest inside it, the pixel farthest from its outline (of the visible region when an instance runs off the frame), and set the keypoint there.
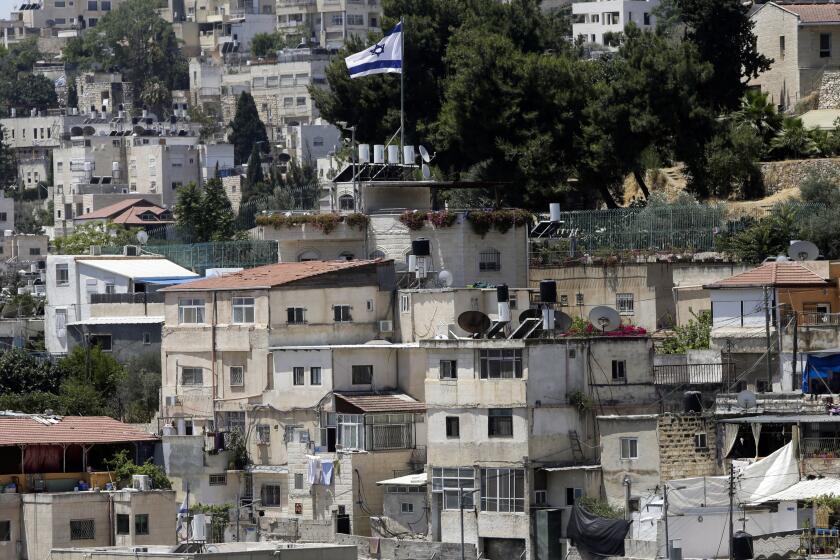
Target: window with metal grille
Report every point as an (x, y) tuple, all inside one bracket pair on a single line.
[(234, 420), (362, 375), (578, 299), (453, 427), (389, 431), (264, 435), (448, 369), (243, 310), (237, 376), (101, 340), (346, 202), (298, 481), (295, 315), (406, 507), (192, 376), (315, 376), (564, 300), (619, 370), (624, 303), (490, 260), (297, 376), (191, 310), (62, 275), (218, 479), (405, 303), (141, 524), (451, 482), (500, 422), (272, 494), (341, 313), (503, 490), (500, 364), (82, 529), (123, 524)]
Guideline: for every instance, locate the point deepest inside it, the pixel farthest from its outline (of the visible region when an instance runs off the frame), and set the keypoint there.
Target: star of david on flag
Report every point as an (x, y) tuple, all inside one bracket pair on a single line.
[(385, 57)]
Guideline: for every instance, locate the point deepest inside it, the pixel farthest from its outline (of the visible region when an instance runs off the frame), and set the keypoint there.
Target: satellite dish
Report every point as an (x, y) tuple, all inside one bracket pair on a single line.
[(474, 322), (427, 173), (803, 251), (530, 314), (445, 278), (746, 399), (605, 318), (424, 154), (142, 237), (284, 157), (562, 322)]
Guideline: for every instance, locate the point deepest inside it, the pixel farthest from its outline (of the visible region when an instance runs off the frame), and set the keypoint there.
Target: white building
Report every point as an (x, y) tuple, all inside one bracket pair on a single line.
[(591, 20), (328, 23)]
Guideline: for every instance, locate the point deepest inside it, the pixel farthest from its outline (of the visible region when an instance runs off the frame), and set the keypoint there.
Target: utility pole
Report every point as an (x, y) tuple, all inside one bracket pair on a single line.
[(731, 507), (793, 383), (237, 516), (665, 508), (767, 334)]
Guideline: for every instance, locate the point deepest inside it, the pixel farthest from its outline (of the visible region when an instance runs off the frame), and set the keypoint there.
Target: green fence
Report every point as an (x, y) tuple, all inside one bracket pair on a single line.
[(198, 257)]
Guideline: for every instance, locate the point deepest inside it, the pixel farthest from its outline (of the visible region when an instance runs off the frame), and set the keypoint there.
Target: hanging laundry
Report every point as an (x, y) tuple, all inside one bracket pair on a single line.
[(313, 469), (337, 467), (326, 472)]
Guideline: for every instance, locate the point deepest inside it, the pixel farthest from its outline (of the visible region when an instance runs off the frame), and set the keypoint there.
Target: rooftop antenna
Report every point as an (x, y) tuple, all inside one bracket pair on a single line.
[(605, 318), (474, 322), (424, 154), (803, 251)]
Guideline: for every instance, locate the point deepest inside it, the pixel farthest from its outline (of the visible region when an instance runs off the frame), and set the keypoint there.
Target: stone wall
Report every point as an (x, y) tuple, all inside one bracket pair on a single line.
[(397, 549), (830, 90), (789, 174), (679, 458)]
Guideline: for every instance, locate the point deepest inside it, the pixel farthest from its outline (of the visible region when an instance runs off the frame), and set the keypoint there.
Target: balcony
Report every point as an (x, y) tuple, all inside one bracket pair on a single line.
[(820, 447), (694, 374), (141, 297)]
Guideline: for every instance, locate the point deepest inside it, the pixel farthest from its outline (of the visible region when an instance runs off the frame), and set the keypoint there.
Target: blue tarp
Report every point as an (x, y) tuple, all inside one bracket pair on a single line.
[(819, 367)]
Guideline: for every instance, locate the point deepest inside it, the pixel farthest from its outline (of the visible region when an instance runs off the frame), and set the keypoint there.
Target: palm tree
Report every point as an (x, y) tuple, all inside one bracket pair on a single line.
[(757, 112), (793, 140)]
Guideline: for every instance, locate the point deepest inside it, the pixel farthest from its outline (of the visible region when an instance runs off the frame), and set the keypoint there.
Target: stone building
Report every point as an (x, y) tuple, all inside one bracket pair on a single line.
[(104, 92), (327, 23)]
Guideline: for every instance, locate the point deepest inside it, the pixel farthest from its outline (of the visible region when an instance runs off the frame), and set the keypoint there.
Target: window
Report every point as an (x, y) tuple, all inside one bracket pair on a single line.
[(318, 141), (192, 376), (62, 275), (572, 495), (619, 370), (700, 443), (564, 300), (341, 314), (60, 323), (448, 369), (263, 434), (141, 524), (218, 479), (405, 303), (406, 507), (3, 216), (781, 47), (362, 375), (92, 5), (451, 482), (351, 434), (512, 301), (101, 340), (337, 19), (624, 303), (453, 427), (82, 529), (500, 422), (503, 490), (490, 260), (300, 101), (297, 376), (237, 376), (346, 202), (288, 101), (272, 494), (234, 421), (123, 524), (825, 45), (298, 481), (629, 448), (243, 310), (646, 18), (191, 310), (59, 3), (355, 19), (315, 376), (147, 339), (295, 315), (92, 22), (110, 288), (105, 6), (501, 364), (540, 497)]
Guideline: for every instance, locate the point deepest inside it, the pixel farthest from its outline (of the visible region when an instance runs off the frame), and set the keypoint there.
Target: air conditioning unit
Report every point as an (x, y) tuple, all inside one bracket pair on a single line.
[(141, 482), (131, 251), (386, 326), (172, 400)]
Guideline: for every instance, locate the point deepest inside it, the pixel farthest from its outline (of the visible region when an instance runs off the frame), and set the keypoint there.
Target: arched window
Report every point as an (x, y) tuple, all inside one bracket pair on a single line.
[(489, 260), (309, 256), (346, 256), (346, 202)]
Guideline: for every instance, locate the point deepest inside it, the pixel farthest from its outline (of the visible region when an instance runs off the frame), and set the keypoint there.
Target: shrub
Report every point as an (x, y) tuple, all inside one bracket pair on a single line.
[(413, 219), (482, 221), (123, 468), (442, 219), (357, 220)]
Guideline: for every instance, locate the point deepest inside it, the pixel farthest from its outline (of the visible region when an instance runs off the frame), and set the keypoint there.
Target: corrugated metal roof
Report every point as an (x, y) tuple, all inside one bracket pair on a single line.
[(774, 274), (382, 402), (271, 275), (124, 320), (573, 468), (135, 268), (805, 490), (815, 13), (28, 430), (407, 480)]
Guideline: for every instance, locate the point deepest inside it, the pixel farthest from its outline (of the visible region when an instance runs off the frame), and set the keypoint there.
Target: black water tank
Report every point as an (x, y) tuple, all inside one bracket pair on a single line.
[(548, 291), (420, 248), (742, 546), (692, 401), (502, 294)]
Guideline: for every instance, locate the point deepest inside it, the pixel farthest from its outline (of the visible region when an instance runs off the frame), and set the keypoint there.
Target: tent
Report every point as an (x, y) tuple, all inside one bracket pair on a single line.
[(821, 369)]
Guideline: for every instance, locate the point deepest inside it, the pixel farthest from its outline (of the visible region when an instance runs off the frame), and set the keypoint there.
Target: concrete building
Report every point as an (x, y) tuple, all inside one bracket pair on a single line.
[(62, 19), (111, 301), (591, 21), (224, 551), (328, 24), (23, 251), (104, 92), (799, 39), (219, 28)]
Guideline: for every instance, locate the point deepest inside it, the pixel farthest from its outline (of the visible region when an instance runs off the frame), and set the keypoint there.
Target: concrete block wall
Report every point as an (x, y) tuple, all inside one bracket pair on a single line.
[(679, 458)]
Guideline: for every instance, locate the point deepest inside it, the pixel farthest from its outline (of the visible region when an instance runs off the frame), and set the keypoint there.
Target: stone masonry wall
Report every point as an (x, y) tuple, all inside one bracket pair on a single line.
[(789, 174), (679, 457), (397, 549), (830, 90)]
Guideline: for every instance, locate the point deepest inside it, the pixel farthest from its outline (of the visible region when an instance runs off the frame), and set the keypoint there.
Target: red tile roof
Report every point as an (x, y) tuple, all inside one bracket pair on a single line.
[(382, 402), (270, 275), (815, 13), (25, 429), (788, 274), (115, 209), (131, 217)]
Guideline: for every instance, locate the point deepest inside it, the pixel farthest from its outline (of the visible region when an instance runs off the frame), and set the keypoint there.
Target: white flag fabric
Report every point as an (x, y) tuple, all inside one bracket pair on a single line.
[(182, 513), (385, 57)]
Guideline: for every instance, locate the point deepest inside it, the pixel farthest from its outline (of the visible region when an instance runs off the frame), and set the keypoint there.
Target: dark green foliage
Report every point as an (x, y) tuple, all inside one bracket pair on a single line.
[(124, 468), (21, 373), (19, 88), (793, 140), (72, 94), (695, 335), (204, 214), (255, 170), (8, 163), (730, 169), (140, 388), (85, 235), (247, 130)]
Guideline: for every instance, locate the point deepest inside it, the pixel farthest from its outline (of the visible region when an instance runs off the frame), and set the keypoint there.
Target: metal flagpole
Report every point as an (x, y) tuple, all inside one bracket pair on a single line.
[(402, 84)]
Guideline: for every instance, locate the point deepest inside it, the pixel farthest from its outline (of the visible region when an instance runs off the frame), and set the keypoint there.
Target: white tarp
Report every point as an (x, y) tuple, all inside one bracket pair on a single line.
[(763, 478)]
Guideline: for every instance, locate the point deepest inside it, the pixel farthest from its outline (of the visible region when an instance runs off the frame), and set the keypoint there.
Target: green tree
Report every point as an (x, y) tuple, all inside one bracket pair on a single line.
[(140, 388), (255, 170), (72, 94), (764, 238), (793, 140), (19, 88), (156, 96), (205, 214), (100, 233), (124, 468), (247, 130), (730, 169), (8, 162), (264, 44), (695, 335), (759, 113), (21, 373)]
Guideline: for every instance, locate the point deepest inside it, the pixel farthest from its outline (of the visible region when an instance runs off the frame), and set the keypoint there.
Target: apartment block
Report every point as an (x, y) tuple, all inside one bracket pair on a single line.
[(592, 20), (328, 23)]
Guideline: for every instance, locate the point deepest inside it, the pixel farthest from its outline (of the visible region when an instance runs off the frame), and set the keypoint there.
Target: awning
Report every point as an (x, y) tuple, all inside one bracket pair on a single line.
[(805, 490), (267, 469), (780, 419), (573, 468), (123, 320), (396, 403), (408, 480)]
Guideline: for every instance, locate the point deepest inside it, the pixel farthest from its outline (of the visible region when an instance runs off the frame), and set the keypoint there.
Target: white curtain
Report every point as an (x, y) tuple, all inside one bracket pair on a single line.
[(730, 435), (756, 430)]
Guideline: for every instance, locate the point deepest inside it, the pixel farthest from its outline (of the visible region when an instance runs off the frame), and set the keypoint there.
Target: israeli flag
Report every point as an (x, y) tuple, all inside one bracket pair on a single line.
[(61, 81), (385, 57), (183, 511)]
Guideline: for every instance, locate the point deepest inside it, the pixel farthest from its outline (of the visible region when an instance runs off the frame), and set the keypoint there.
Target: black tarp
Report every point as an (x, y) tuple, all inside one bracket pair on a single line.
[(597, 535)]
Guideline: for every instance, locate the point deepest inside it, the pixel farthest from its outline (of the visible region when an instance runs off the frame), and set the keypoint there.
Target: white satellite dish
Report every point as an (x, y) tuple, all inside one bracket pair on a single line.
[(445, 277), (803, 251), (424, 154), (605, 318), (142, 237), (427, 173), (746, 399)]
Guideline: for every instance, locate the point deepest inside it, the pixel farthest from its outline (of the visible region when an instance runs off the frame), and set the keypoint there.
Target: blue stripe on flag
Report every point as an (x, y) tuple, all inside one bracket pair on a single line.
[(396, 29), (376, 64)]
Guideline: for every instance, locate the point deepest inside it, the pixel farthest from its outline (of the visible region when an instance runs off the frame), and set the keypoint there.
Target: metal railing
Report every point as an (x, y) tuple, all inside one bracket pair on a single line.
[(821, 447), (390, 436), (814, 319), (127, 298), (694, 374)]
